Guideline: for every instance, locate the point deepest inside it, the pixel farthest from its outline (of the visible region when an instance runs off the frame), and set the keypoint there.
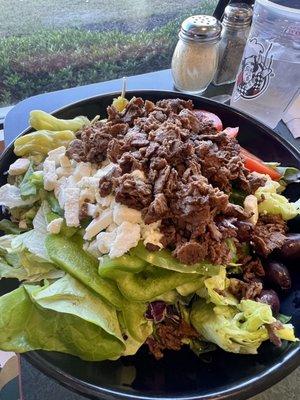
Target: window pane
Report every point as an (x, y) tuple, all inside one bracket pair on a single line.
[(49, 45)]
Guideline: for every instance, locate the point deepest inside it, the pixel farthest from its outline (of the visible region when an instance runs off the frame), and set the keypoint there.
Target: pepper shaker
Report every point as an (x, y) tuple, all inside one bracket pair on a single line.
[(195, 58), (236, 25)]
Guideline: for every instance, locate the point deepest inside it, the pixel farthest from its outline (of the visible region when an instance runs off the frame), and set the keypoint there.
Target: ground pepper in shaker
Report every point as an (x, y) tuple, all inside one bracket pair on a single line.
[(195, 58), (236, 25)]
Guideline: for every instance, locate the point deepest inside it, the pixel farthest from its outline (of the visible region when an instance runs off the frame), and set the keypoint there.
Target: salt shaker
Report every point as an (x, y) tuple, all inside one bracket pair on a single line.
[(236, 25), (195, 58)]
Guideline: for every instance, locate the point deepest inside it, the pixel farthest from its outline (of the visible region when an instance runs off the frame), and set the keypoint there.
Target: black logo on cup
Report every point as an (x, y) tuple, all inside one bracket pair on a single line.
[(256, 71)]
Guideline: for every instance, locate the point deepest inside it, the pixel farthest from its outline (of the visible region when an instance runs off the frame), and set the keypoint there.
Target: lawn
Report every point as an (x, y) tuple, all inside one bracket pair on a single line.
[(49, 45)]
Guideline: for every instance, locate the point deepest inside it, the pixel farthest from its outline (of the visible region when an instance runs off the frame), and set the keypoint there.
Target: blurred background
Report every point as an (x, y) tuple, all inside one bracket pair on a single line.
[(51, 45)]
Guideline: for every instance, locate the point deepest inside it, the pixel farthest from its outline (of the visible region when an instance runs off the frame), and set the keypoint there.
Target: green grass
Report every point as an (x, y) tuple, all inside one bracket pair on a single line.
[(58, 58), (19, 17)]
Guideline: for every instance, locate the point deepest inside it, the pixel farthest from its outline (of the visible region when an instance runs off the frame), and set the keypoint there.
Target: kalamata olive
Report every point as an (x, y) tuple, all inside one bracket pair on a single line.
[(278, 274), (270, 297), (290, 250)]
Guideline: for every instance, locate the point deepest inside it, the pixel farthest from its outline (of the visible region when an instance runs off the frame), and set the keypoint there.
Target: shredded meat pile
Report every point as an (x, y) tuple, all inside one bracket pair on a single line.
[(169, 335), (269, 234), (177, 169)]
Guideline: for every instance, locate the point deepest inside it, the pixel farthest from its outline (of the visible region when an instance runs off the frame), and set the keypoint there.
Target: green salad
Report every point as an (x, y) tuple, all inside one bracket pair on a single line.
[(149, 227)]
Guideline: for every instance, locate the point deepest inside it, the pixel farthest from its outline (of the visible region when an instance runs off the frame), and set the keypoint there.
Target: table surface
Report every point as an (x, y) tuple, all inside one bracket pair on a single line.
[(35, 385)]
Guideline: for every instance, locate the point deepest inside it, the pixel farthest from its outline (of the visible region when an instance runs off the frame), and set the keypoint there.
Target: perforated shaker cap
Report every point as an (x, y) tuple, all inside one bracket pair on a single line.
[(237, 15), (201, 28)]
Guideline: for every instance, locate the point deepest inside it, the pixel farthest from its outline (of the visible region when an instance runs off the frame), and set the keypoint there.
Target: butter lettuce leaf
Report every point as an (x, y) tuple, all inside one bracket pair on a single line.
[(289, 174), (9, 271), (68, 255), (33, 241), (215, 290), (24, 326), (68, 295), (191, 287), (135, 322), (271, 202), (237, 329), (10, 196), (27, 187), (17, 262)]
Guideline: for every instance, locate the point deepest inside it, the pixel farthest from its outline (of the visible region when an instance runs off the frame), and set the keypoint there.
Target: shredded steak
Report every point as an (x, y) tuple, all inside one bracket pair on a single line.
[(269, 234), (133, 192), (189, 169), (169, 335), (245, 290)]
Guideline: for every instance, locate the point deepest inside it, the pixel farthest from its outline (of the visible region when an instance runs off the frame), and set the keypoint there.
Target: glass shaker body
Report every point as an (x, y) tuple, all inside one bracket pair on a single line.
[(231, 48), (194, 65)]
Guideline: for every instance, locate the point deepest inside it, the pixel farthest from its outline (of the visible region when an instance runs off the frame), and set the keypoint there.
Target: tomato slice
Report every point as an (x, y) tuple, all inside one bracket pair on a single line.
[(207, 116), (255, 164)]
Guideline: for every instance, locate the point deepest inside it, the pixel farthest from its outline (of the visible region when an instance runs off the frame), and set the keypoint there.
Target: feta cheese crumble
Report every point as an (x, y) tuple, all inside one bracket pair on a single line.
[(127, 237), (19, 167), (98, 224), (72, 206), (50, 176)]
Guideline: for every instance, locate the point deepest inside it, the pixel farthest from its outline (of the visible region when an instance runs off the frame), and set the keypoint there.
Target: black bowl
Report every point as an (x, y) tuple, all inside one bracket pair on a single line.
[(181, 375)]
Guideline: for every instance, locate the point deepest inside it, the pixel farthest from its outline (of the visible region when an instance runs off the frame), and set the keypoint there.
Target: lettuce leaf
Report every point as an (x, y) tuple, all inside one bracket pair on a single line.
[(26, 213), (131, 344), (271, 202), (164, 259), (10, 196), (33, 241), (191, 287), (27, 188), (5, 243), (54, 204), (135, 322), (18, 262), (32, 272), (68, 255), (39, 222), (24, 326), (37, 268), (67, 295), (216, 290), (8, 227), (239, 329), (9, 271), (288, 174)]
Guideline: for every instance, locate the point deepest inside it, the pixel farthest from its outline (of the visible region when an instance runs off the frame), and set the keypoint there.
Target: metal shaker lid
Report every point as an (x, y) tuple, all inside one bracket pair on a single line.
[(201, 28), (237, 15)]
